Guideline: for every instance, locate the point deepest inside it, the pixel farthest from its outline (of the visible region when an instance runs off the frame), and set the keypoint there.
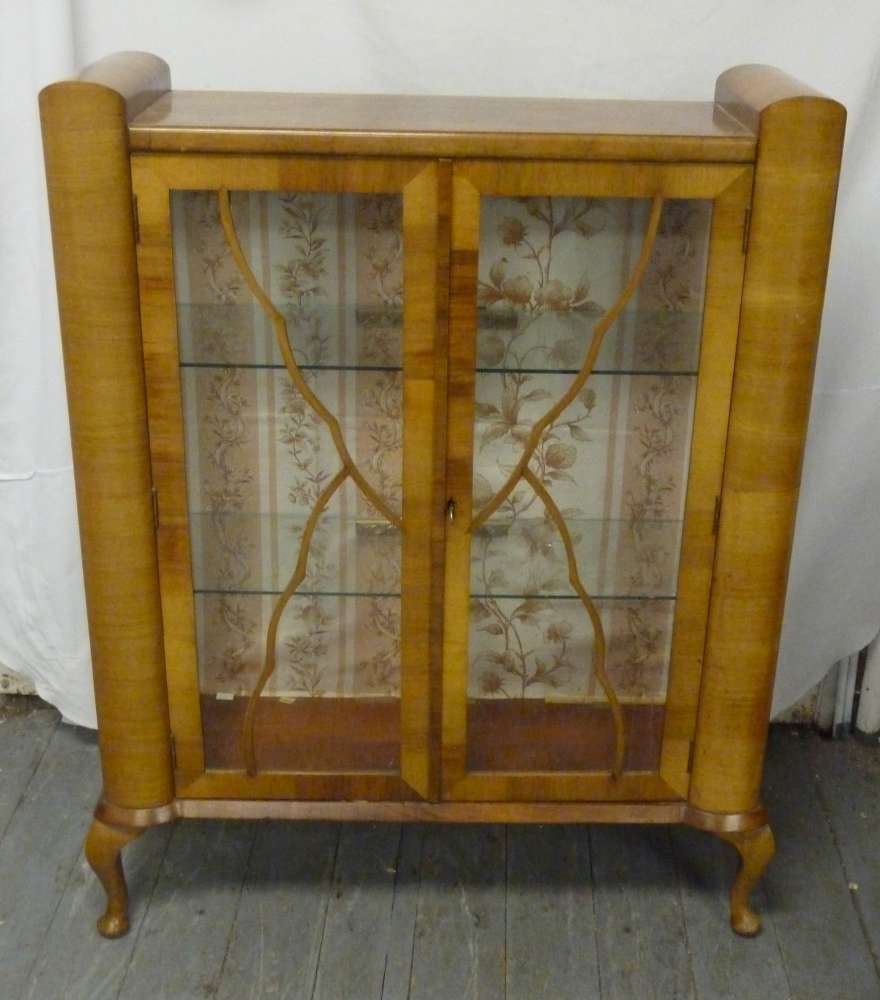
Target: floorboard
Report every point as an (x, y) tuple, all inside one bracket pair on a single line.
[(358, 922), (74, 961), (724, 964), (820, 937), (407, 887), (277, 935), (275, 911), (460, 947), (39, 850), (551, 933), (25, 731), (643, 949), (847, 776), (181, 943)]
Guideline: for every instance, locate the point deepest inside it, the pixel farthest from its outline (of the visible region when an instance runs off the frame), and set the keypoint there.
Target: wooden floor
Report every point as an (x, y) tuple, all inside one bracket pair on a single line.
[(247, 910)]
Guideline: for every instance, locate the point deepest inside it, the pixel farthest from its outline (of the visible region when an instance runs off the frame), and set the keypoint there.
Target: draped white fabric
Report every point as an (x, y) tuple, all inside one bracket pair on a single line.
[(42, 609), (560, 48)]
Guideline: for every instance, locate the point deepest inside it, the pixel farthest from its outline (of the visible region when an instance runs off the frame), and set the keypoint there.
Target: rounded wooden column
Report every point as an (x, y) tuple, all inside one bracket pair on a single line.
[(800, 136), (85, 140)]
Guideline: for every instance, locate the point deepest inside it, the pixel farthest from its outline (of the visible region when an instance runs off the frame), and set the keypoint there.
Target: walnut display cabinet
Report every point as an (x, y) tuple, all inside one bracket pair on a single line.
[(436, 458)]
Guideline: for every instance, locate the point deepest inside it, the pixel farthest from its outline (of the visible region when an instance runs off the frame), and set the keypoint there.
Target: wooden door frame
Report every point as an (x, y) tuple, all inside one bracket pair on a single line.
[(424, 187), (729, 188)]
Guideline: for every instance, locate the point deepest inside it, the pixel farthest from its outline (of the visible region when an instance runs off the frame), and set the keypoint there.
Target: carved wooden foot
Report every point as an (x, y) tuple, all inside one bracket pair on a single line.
[(756, 848), (103, 846)]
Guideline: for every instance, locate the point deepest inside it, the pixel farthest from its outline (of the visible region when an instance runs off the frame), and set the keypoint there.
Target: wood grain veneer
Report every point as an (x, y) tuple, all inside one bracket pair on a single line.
[(766, 153), (139, 78), (527, 734), (310, 734), (89, 183), (801, 137), (423, 125), (347, 734)]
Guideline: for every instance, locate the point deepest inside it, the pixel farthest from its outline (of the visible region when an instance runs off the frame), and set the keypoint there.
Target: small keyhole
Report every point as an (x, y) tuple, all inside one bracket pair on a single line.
[(450, 510)]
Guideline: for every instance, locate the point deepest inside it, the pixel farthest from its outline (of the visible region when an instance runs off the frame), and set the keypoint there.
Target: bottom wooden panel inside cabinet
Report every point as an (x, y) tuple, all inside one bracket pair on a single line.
[(525, 734), (308, 734)]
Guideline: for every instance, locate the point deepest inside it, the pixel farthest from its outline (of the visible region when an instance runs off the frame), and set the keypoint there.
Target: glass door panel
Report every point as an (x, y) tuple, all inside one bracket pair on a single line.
[(261, 460), (614, 462), (581, 385)]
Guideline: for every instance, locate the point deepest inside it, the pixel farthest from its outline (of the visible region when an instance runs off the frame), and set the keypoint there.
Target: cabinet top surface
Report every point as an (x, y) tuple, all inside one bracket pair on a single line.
[(422, 125)]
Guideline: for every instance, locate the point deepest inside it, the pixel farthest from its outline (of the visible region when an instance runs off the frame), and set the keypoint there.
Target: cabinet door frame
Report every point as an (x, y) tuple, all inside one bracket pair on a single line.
[(424, 187), (729, 188)]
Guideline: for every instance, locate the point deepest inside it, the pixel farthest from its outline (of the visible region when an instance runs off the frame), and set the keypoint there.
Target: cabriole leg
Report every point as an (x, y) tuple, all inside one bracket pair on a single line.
[(103, 849), (756, 848)]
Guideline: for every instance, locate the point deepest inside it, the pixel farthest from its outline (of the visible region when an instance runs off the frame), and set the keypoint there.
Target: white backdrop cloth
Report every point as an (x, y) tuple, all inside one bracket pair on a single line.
[(42, 608), (565, 48)]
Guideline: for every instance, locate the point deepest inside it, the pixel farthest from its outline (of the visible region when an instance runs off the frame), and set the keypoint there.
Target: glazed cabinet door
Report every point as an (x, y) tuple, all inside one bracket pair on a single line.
[(290, 313), (594, 311)]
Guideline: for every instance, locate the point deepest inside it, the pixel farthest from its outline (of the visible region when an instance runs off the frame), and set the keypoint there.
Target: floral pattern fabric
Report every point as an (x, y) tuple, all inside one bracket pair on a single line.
[(257, 456), (615, 461)]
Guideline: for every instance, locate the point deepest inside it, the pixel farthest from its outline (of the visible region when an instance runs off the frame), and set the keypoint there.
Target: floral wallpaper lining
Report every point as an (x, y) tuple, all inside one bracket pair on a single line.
[(258, 457), (615, 461)]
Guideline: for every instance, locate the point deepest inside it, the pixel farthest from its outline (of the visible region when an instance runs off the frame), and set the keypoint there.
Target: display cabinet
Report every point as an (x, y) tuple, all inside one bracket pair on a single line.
[(436, 458)]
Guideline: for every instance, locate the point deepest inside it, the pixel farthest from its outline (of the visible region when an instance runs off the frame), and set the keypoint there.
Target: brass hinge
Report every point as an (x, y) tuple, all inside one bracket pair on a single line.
[(173, 743), (716, 515), (747, 225), (136, 219), (154, 496), (691, 757)]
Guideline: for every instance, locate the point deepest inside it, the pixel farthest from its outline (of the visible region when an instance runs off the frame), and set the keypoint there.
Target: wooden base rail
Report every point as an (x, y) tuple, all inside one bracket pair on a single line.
[(439, 812)]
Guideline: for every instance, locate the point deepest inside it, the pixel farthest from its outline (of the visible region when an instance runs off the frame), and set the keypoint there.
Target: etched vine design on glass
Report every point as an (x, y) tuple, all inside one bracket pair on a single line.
[(301, 277), (535, 297)]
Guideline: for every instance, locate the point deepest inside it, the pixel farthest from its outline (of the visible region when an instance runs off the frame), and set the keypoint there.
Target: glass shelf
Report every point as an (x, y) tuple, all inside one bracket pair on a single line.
[(616, 456), (615, 558), (335, 337), (594, 372), (281, 367), (348, 556), (360, 556), (326, 336), (548, 596), (641, 340), (302, 592)]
